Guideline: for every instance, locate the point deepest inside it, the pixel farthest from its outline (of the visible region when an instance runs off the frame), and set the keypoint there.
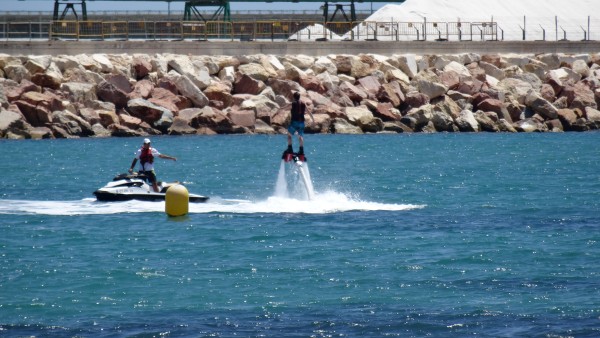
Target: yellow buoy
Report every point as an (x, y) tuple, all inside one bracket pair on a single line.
[(177, 200)]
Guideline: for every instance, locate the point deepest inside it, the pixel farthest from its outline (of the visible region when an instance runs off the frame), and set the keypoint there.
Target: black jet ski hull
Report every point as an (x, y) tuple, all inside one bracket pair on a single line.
[(106, 196)]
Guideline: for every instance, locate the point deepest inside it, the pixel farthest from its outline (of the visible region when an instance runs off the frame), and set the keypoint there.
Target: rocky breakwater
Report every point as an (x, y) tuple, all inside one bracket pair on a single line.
[(132, 95)]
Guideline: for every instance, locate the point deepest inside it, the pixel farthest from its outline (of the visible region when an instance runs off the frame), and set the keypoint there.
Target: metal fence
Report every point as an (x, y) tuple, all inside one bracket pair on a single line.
[(275, 30)]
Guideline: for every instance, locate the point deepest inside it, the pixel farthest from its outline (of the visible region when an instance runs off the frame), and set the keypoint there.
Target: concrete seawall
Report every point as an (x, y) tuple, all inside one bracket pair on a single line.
[(311, 48)]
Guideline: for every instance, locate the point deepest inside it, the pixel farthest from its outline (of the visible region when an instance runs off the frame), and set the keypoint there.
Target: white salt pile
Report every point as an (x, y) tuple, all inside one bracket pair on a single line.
[(314, 32), (570, 19)]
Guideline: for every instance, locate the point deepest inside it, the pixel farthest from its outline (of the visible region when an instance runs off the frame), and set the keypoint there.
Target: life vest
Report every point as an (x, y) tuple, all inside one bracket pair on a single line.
[(146, 156)]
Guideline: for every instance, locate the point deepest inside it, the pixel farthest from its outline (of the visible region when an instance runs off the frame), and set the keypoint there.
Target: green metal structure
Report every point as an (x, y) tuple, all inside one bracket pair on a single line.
[(69, 5), (191, 12)]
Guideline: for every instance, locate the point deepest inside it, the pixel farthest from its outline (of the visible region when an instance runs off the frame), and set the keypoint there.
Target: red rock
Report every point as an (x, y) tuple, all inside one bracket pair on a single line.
[(387, 93), (245, 84), (312, 83), (547, 92), (166, 99), (141, 67), (242, 118), (416, 99), (490, 105), (354, 93), (141, 90), (167, 84), (579, 96), (36, 107), (180, 127), (108, 92), (370, 84), (384, 111), (450, 79)]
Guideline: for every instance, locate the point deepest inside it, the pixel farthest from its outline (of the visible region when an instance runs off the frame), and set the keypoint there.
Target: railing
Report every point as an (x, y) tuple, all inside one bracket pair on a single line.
[(275, 30)]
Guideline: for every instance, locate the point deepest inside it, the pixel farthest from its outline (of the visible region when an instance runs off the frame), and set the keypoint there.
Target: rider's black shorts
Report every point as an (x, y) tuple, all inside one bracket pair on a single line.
[(150, 175)]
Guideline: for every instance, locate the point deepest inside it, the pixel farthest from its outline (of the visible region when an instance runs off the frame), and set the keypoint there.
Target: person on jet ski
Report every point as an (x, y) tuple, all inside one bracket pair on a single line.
[(297, 123), (146, 156)]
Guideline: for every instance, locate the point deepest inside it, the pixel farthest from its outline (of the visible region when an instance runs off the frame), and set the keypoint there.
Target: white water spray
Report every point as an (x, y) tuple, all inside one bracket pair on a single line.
[(294, 181), (281, 189), (310, 192)]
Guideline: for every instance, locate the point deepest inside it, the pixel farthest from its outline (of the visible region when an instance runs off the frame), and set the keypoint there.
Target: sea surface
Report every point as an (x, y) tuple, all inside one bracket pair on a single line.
[(407, 235)]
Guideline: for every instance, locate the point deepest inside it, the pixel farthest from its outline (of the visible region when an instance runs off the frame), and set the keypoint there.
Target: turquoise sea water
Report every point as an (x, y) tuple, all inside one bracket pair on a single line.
[(440, 235)]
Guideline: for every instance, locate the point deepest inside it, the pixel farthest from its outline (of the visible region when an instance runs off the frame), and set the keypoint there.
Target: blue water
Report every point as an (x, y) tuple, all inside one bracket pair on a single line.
[(438, 235)]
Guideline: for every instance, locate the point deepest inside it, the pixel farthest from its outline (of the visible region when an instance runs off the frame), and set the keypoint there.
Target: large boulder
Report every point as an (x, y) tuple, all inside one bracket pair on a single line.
[(166, 99), (103, 62), (213, 119), (150, 113), (301, 61), (568, 118), (324, 64), (141, 66), (109, 92), (262, 106), (390, 92), (447, 105), (255, 71), (495, 106), (450, 79), (370, 84), (353, 92), (51, 77), (442, 121), (492, 70), (36, 107), (518, 89), (406, 63), (416, 99), (12, 122), (487, 121), (180, 126), (188, 89), (418, 118), (384, 111), (466, 121), (73, 124), (457, 67), (285, 88), (541, 106), (579, 96), (17, 72), (263, 128), (198, 75), (242, 118), (341, 126), (593, 117), (558, 78), (312, 83), (219, 91), (359, 115), (141, 90), (79, 92), (245, 84)]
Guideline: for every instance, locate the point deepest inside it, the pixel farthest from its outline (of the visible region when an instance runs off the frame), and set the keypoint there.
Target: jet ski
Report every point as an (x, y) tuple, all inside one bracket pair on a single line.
[(125, 187)]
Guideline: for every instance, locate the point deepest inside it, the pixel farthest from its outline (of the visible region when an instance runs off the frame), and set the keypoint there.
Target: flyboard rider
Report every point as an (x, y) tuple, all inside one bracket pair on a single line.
[(296, 126)]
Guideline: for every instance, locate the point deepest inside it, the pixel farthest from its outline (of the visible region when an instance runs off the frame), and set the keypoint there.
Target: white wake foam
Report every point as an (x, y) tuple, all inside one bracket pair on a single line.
[(322, 203)]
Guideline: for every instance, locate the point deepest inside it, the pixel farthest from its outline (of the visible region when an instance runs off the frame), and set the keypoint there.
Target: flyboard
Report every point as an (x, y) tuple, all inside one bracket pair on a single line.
[(294, 165)]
